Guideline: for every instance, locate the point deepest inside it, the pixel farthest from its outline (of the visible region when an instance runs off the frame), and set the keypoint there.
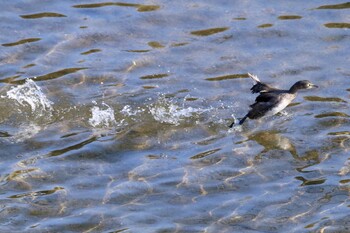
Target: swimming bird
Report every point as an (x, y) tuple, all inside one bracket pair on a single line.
[(270, 99)]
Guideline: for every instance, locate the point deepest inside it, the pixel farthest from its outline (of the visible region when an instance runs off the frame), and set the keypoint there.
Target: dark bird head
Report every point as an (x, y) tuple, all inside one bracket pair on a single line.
[(303, 84)]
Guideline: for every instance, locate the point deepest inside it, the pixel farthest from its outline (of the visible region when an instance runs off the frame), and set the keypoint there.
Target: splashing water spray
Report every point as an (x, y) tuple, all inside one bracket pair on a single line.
[(31, 94), (103, 117)]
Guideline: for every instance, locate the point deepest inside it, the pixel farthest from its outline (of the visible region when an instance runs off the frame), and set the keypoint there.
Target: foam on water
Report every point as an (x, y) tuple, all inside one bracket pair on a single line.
[(30, 94), (102, 116)]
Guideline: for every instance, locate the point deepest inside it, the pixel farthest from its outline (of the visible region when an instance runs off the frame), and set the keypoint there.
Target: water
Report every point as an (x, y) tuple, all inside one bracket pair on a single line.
[(114, 117), (102, 117)]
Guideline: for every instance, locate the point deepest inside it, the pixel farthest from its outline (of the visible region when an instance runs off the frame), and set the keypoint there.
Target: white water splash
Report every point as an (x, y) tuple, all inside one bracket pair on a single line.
[(165, 111), (102, 117), (128, 111), (31, 94)]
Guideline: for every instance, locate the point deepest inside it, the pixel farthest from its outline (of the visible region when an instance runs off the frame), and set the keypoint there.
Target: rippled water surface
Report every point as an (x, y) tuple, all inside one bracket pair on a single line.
[(114, 116)]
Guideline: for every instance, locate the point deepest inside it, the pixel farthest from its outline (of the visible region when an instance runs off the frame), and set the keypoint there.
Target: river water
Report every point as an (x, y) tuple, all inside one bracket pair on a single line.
[(114, 116)]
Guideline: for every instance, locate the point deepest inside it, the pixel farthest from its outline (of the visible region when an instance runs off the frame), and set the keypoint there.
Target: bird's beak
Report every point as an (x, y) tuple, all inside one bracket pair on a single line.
[(314, 86)]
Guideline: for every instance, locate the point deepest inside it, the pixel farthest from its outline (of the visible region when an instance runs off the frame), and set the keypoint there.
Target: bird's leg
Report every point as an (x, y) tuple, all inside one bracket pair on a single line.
[(243, 119)]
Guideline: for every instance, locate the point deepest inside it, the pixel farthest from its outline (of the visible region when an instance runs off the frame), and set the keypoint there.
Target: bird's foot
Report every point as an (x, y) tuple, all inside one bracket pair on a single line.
[(232, 124)]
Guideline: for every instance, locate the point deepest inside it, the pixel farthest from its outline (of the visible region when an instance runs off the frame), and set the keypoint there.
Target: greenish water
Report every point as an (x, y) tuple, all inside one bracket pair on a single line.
[(114, 117)]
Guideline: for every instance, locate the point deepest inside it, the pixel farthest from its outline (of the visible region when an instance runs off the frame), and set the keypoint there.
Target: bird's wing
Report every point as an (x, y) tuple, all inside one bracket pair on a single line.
[(259, 109), (266, 97), (259, 87), (254, 77)]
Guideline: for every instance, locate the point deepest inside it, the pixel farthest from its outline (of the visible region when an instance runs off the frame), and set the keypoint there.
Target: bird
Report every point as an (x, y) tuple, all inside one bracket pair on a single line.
[(271, 100)]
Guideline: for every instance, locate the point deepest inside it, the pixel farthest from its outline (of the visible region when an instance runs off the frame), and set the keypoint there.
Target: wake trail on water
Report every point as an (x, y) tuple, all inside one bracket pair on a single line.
[(34, 111)]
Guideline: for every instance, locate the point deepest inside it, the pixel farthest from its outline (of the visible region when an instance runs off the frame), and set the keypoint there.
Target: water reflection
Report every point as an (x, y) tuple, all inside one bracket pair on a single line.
[(337, 25), (273, 140), (204, 154), (266, 25), (335, 6), (324, 99), (289, 17), (53, 75), (310, 182), (154, 76), (91, 51), (155, 45), (24, 41), (208, 32), (332, 114), (42, 15), (139, 7), (227, 77), (77, 146), (37, 193)]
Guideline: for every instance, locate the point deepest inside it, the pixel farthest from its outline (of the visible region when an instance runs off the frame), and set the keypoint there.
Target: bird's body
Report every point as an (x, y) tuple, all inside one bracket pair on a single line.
[(272, 100)]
